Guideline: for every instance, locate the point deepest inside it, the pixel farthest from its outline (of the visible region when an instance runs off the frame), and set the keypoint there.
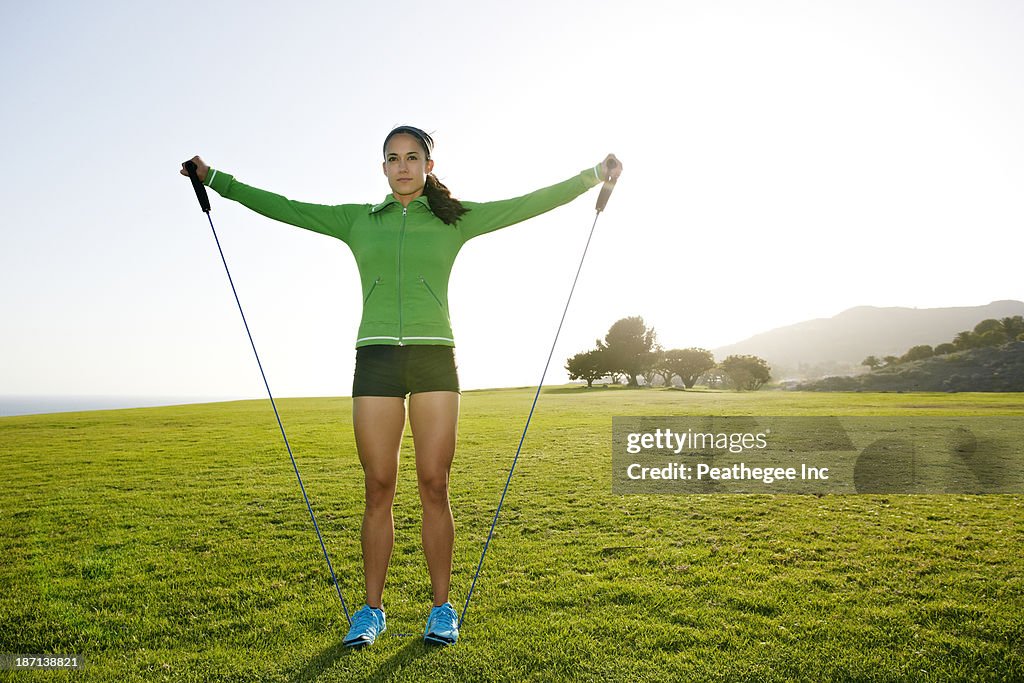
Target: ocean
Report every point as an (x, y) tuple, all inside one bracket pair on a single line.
[(34, 405)]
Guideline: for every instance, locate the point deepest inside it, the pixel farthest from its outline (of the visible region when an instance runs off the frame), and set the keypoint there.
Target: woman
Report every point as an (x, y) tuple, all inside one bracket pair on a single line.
[(405, 248)]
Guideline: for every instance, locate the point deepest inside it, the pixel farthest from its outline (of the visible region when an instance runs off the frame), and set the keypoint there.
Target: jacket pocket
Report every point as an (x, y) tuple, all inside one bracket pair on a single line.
[(372, 287), (427, 285)]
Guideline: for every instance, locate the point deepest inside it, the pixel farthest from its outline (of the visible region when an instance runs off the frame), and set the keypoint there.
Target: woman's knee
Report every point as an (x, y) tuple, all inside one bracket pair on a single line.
[(380, 491), (434, 488)]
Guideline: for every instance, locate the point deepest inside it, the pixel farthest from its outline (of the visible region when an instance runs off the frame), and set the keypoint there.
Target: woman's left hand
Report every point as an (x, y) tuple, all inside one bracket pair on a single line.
[(613, 172)]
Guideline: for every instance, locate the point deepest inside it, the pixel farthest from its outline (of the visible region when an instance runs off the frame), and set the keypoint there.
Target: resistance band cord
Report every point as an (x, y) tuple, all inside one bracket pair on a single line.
[(204, 203), (601, 201)]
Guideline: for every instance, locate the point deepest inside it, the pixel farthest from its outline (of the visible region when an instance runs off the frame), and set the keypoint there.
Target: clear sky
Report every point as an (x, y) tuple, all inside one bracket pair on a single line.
[(783, 161)]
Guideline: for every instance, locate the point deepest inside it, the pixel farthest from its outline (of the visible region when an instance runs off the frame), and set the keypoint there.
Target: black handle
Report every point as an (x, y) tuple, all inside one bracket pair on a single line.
[(606, 189), (197, 185)]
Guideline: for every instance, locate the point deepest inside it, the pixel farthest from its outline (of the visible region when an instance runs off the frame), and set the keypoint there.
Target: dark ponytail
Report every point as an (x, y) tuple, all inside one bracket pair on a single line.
[(442, 203)]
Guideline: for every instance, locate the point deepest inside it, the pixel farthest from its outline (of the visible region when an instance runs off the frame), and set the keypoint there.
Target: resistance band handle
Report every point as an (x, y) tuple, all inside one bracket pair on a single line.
[(606, 189), (197, 185)]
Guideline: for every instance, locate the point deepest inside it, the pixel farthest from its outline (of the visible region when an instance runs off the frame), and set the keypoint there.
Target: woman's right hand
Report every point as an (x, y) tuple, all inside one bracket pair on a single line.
[(201, 168), (611, 168)]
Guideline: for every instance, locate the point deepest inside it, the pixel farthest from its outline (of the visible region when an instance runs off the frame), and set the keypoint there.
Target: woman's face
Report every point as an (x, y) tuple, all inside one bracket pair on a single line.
[(406, 166)]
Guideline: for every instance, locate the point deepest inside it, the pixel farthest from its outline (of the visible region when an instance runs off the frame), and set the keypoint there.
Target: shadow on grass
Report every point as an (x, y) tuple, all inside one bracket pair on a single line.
[(406, 655)]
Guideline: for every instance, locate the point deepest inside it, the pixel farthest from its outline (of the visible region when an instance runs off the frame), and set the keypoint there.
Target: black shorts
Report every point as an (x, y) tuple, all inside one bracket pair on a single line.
[(384, 370)]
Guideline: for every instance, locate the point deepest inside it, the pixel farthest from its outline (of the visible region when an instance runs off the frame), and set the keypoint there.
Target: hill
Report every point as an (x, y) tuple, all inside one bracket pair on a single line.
[(838, 344), (988, 369)]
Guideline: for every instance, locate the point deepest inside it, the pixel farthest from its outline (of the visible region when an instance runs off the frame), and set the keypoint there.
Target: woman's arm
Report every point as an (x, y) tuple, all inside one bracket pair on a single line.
[(487, 217), (327, 220)]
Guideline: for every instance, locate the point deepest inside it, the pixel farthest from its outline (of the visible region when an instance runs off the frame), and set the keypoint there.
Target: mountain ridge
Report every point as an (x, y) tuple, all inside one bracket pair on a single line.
[(838, 344)]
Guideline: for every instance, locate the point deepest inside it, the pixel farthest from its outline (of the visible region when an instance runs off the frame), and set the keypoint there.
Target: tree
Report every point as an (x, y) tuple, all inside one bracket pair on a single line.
[(987, 325), (992, 337), (627, 348), (588, 366), (891, 360), (746, 372), (689, 364), (872, 362), (652, 364), (919, 352), (965, 340), (667, 373), (990, 332), (943, 349), (1013, 326)]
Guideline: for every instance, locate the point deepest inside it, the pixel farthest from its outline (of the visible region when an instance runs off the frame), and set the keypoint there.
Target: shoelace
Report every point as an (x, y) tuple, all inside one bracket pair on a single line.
[(363, 619), (444, 619)]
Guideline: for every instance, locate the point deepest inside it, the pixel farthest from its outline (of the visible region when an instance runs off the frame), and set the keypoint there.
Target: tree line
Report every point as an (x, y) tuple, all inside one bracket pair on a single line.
[(989, 332), (630, 352)]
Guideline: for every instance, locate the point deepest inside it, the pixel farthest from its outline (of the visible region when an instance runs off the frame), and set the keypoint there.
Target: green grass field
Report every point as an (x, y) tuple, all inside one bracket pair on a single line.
[(173, 544)]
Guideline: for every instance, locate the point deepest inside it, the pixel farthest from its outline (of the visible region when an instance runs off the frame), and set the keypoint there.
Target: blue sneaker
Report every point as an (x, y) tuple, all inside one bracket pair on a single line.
[(442, 625), (367, 624)]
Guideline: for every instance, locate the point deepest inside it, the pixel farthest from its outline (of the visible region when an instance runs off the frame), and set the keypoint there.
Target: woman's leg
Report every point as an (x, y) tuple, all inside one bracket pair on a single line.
[(434, 416), (379, 422)]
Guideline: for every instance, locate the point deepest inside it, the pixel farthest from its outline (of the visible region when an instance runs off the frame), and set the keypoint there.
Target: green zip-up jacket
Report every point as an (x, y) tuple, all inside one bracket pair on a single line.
[(404, 255)]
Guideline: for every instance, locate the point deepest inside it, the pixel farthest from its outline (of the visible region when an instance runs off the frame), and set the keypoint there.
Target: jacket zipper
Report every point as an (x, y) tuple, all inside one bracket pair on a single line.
[(401, 246), (372, 287), (429, 289)]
